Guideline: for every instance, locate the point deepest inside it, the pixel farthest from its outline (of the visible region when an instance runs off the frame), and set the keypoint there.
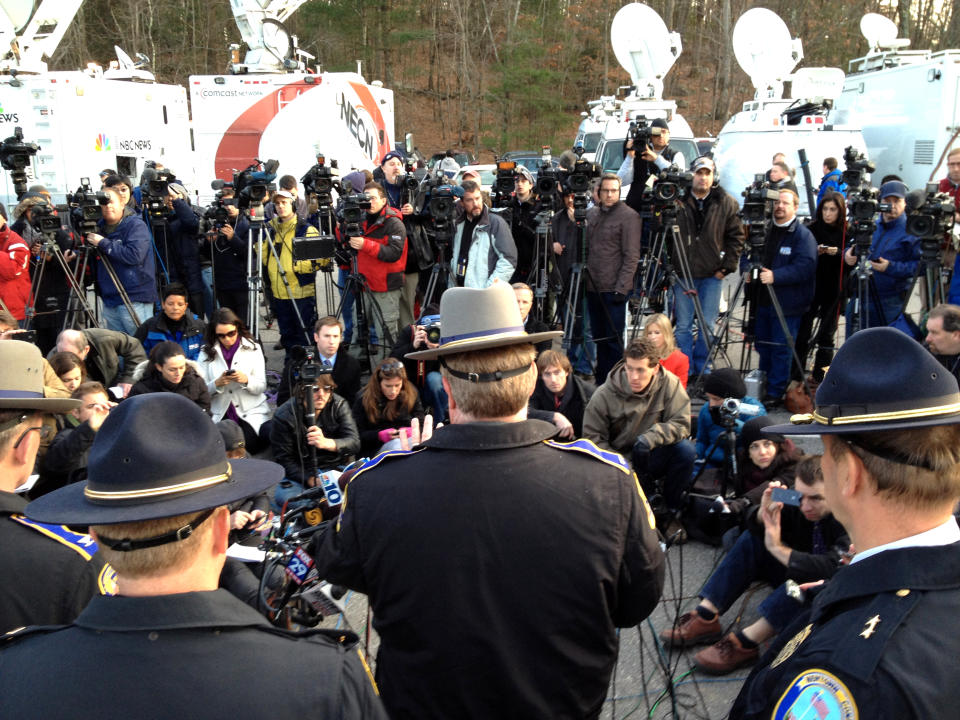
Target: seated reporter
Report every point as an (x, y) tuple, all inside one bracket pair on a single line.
[(558, 390), (174, 322), (167, 540), (387, 406), (69, 368), (110, 356), (168, 370), (66, 458), (659, 331), (425, 374), (232, 365), (333, 437), (722, 384)]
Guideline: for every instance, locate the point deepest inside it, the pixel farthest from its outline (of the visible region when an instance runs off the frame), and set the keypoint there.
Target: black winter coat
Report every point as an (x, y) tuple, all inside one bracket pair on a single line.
[(192, 387), (369, 441), (576, 395), (288, 438), (713, 237)]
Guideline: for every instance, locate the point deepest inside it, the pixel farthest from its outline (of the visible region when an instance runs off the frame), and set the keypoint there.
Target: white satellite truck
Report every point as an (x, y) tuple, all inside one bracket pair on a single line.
[(772, 123), (85, 120), (906, 102), (271, 106), (646, 50)]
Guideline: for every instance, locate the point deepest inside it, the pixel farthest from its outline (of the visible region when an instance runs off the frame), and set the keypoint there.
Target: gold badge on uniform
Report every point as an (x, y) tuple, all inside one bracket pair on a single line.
[(791, 647)]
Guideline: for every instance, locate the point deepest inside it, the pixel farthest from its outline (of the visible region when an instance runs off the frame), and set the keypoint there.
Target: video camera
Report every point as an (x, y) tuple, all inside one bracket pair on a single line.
[(577, 181), (935, 217), (252, 185), (15, 154), (353, 210), (304, 367), (506, 180), (156, 187), (443, 213), (729, 412), (671, 187), (43, 218), (642, 133), (856, 166), (217, 215), (756, 201), (321, 180), (85, 206)]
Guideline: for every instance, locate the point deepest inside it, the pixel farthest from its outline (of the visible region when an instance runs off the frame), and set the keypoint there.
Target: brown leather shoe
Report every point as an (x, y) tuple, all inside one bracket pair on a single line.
[(725, 656), (691, 629)]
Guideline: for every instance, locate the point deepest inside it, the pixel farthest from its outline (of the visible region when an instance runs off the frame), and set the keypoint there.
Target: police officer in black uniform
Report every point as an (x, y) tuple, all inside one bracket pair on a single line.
[(879, 641), (49, 572), (171, 644), (498, 562)]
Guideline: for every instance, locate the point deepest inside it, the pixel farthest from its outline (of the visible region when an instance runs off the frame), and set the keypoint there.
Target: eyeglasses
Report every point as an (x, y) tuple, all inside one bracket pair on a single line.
[(230, 334), (46, 432), (325, 389)]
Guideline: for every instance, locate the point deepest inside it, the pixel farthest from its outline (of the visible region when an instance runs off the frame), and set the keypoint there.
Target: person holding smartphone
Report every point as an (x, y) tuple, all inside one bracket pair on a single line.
[(800, 543)]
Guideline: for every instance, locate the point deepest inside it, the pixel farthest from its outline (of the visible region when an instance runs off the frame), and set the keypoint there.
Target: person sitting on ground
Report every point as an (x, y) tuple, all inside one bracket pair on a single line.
[(524, 295), (558, 390), (425, 374), (388, 403), (802, 543), (234, 369), (66, 459), (659, 331), (720, 385), (110, 356), (328, 336), (174, 322), (69, 368), (644, 414), (943, 335), (168, 370), (333, 435)]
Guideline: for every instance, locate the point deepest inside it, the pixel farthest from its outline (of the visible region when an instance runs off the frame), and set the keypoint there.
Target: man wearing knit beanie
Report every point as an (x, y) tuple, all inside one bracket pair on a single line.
[(719, 386)]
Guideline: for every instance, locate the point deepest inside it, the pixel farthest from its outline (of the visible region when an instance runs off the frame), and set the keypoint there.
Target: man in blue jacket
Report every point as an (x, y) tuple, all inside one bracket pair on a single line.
[(893, 256), (125, 242), (832, 180), (789, 268)]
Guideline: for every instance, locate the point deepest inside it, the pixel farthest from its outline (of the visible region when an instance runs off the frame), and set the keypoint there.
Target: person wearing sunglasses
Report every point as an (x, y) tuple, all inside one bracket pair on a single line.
[(51, 572), (233, 366), (385, 409)]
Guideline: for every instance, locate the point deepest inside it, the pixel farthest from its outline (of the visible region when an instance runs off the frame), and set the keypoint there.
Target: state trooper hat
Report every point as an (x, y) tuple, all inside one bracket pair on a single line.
[(155, 456), (880, 379), (21, 380)]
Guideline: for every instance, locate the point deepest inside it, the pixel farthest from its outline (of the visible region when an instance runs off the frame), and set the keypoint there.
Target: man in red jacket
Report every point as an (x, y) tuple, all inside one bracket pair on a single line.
[(381, 258), (14, 269)]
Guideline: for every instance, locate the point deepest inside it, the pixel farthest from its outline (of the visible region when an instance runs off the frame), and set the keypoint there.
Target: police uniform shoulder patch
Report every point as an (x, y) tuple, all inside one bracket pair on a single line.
[(107, 580), (816, 693), (587, 447), (83, 545), (377, 459)]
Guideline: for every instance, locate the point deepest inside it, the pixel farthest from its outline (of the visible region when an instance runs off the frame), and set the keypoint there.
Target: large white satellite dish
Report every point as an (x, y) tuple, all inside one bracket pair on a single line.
[(878, 30), (764, 49), (643, 45)]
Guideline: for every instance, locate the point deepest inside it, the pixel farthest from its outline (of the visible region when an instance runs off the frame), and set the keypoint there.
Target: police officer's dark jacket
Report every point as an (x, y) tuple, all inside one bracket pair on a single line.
[(49, 572), (498, 564), (862, 645), (197, 654)]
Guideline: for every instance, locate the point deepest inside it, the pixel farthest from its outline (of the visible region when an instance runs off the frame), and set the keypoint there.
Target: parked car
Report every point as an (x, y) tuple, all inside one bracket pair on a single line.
[(529, 159)]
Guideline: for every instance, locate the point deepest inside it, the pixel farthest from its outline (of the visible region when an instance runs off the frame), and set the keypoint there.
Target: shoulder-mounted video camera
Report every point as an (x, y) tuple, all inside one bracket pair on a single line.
[(856, 166), (935, 217), (505, 181), (253, 185), (85, 206), (353, 210), (15, 154), (321, 180)]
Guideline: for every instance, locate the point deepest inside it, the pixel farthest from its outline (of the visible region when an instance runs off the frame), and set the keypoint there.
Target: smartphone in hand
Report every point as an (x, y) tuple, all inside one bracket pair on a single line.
[(786, 496)]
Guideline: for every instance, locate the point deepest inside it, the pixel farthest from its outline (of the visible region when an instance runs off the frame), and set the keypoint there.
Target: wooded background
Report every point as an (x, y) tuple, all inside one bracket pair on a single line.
[(496, 75)]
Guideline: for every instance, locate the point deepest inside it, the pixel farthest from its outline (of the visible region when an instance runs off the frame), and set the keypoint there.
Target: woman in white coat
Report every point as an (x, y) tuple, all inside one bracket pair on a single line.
[(234, 369)]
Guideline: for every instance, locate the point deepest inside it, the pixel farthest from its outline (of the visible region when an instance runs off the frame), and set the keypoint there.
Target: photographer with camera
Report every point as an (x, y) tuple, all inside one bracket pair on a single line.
[(425, 374), (483, 246), (401, 187), (655, 155), (523, 208), (712, 237), (893, 257), (291, 283), (717, 415), (788, 267), (228, 241), (381, 257), (183, 245), (613, 242), (124, 240)]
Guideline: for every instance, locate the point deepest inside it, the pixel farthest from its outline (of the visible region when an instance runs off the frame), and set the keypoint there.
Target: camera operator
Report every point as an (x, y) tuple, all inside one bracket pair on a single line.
[(382, 256), (523, 207), (14, 269), (228, 252), (951, 185), (124, 240), (720, 385), (565, 235), (943, 336), (712, 237), (300, 276), (613, 239), (425, 374), (334, 435), (656, 156), (789, 266), (420, 255), (483, 246), (893, 257), (182, 239)]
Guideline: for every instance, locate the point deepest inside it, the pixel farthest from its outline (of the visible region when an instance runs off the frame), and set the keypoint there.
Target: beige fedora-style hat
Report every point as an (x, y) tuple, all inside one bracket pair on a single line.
[(21, 380), (475, 319)]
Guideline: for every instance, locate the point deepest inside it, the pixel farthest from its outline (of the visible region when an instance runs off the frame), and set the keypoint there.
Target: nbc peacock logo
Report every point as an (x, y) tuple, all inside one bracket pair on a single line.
[(103, 143)]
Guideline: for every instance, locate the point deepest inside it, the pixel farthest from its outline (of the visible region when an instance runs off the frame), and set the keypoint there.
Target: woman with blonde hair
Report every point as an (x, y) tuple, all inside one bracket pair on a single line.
[(660, 332)]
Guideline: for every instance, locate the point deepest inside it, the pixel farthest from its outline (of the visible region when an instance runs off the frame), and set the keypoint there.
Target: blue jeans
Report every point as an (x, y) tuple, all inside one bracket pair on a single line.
[(708, 290), (435, 396), (747, 562), (889, 304), (209, 304), (291, 333), (346, 306), (608, 319), (775, 355), (117, 317), (583, 354), (673, 463)]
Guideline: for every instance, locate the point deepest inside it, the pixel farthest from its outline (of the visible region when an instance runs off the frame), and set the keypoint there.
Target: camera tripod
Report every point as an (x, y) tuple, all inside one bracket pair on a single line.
[(356, 284), (439, 274), (543, 278), (77, 301)]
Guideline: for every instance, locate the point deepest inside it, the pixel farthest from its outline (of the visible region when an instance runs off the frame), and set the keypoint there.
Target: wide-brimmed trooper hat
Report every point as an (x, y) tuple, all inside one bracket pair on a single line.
[(21, 380), (155, 456), (474, 319), (880, 379)]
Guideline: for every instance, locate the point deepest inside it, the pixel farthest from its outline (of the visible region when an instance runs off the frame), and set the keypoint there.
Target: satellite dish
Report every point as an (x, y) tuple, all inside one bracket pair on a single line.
[(878, 30), (125, 61), (764, 49), (643, 45)]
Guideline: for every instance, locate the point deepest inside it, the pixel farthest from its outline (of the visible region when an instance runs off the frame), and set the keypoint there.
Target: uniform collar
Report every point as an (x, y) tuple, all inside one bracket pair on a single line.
[(491, 435), (167, 612), (945, 534), (11, 503)]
